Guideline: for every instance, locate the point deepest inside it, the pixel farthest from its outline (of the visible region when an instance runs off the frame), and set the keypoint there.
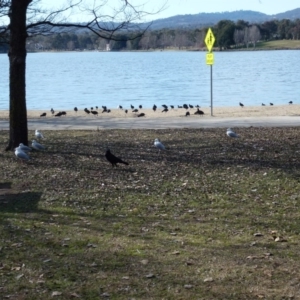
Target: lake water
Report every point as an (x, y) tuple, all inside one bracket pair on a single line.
[(85, 79)]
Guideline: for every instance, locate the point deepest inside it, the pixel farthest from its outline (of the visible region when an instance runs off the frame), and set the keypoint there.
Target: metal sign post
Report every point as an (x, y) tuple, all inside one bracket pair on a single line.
[(211, 91), (209, 41)]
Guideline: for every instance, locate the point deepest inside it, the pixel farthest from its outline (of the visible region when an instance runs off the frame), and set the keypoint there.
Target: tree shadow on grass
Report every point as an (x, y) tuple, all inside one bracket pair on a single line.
[(13, 201), (5, 185)]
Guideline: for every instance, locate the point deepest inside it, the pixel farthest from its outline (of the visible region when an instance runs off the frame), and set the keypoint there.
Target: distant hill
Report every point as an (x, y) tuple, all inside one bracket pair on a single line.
[(201, 20), (209, 19)]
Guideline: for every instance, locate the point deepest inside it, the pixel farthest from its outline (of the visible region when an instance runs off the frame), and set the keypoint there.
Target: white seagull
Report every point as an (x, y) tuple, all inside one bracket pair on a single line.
[(24, 148), (159, 145), (35, 145), (38, 134), (21, 154), (231, 133)]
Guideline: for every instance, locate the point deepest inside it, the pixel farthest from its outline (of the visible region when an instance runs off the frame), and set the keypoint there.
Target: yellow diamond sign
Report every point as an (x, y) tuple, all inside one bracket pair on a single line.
[(209, 40)]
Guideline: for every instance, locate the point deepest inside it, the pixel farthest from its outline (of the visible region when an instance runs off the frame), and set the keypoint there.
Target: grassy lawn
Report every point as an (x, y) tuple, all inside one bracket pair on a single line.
[(280, 44), (209, 218)]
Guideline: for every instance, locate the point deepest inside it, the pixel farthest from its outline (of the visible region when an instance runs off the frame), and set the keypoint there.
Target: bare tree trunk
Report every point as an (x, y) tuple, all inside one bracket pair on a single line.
[(246, 36), (18, 131), (254, 34)]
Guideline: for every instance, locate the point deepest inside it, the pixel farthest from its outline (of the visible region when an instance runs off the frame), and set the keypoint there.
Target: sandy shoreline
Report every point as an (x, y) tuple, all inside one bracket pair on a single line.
[(220, 112)]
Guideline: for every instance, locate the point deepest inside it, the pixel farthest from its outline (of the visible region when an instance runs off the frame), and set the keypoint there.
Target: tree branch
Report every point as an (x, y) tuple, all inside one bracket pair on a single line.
[(124, 18)]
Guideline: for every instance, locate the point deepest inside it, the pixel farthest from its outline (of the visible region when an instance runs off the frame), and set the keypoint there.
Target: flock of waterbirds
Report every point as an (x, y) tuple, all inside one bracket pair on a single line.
[(136, 110), (21, 152), (263, 104)]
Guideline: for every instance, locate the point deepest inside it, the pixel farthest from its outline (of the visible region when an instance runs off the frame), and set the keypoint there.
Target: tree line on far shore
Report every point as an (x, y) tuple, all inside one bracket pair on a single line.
[(228, 35)]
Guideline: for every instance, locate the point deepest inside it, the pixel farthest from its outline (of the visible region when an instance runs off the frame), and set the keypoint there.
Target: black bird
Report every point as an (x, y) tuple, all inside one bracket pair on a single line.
[(63, 113), (132, 107), (179, 106), (75, 109), (185, 106), (135, 110), (271, 104), (187, 113), (94, 112), (165, 106), (96, 107), (197, 106), (172, 106), (43, 115), (140, 106), (104, 107), (120, 106), (87, 111), (199, 112), (291, 102), (113, 159), (92, 108), (191, 106), (241, 104), (165, 110), (108, 111), (58, 114), (263, 104), (141, 115), (154, 107), (126, 111), (52, 111)]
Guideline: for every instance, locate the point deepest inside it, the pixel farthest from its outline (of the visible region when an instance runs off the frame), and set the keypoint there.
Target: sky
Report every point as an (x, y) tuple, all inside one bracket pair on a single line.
[(181, 7)]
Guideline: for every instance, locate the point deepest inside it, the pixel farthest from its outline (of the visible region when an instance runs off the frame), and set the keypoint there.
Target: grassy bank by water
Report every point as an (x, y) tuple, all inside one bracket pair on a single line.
[(209, 218), (279, 44)]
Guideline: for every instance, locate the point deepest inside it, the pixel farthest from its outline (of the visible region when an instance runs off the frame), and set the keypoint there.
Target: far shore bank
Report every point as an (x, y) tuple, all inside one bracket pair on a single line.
[(273, 48)]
